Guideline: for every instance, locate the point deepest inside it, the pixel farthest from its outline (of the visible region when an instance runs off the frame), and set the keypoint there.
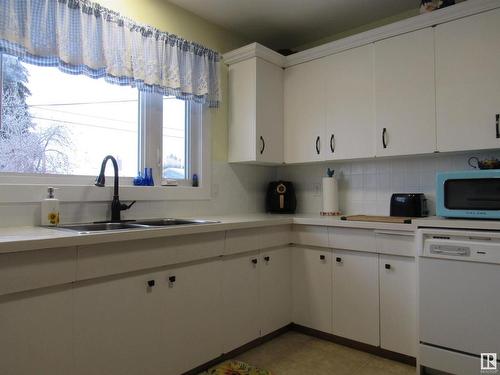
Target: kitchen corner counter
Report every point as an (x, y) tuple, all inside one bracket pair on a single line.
[(16, 239)]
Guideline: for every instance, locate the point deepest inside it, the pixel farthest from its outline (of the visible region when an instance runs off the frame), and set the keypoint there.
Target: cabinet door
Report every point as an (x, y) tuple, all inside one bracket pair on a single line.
[(117, 327), (350, 125), (405, 106), (356, 296), (275, 289), (304, 103), (242, 111), (468, 83), (36, 332), (398, 304), (312, 288), (192, 307), (255, 112), (269, 116), (240, 300)]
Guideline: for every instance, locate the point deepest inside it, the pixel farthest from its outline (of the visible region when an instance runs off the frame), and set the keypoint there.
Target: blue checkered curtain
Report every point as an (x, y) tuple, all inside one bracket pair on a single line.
[(81, 37)]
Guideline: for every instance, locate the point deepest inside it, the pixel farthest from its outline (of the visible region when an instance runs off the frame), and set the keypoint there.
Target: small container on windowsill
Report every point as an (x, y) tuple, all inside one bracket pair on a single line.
[(169, 182)]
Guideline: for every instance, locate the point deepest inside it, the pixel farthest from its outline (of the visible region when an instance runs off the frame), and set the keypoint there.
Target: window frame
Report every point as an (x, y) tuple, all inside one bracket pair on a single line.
[(26, 188)]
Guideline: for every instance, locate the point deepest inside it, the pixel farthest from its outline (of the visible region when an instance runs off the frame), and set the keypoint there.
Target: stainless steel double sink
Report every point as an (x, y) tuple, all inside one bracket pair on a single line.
[(131, 224)]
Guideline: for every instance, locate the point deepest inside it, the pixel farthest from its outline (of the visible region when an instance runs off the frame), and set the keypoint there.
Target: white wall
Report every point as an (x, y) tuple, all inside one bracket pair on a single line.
[(365, 187), (235, 189)]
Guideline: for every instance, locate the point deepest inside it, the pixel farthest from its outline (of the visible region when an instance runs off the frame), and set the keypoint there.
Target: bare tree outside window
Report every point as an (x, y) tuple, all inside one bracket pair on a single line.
[(24, 147), (58, 123)]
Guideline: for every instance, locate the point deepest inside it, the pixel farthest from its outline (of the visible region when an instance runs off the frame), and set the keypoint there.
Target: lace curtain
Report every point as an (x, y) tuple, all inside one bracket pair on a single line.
[(81, 37)]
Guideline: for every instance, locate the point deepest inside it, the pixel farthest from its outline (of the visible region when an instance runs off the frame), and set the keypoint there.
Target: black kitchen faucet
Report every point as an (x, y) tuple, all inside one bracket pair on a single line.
[(116, 206)]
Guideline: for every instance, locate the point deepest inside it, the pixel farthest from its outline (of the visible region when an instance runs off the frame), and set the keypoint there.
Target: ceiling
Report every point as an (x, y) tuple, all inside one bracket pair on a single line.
[(282, 24)]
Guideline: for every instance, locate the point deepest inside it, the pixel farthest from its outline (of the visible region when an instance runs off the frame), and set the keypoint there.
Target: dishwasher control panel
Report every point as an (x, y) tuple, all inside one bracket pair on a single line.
[(460, 245), (456, 250)]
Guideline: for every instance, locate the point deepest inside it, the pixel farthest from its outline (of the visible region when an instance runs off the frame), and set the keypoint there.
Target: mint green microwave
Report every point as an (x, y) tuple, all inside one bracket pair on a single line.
[(468, 194)]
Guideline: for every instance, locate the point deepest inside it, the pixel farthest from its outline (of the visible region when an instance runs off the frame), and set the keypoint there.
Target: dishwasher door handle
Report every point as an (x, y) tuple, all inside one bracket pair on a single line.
[(458, 252)]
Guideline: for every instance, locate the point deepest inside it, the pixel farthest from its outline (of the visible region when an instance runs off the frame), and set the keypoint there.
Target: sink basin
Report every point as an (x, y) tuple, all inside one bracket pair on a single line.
[(131, 224), (96, 227), (172, 221)]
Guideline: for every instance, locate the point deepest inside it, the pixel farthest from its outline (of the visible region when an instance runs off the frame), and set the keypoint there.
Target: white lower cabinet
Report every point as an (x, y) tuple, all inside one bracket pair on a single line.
[(36, 335), (175, 318), (275, 289), (117, 325), (165, 322), (191, 322), (312, 288), (240, 299), (398, 304), (356, 296)]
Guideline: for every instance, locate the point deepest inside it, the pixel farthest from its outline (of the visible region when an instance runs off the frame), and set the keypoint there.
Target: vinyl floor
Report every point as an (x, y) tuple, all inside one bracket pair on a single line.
[(296, 354)]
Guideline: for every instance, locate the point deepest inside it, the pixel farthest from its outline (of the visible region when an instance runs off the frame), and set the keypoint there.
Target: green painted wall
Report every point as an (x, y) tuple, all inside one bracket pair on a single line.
[(170, 18)]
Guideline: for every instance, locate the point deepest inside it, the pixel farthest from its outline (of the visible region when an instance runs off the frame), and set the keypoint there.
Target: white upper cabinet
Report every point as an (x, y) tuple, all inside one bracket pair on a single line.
[(468, 83), (305, 112), (255, 112), (405, 105), (349, 105)]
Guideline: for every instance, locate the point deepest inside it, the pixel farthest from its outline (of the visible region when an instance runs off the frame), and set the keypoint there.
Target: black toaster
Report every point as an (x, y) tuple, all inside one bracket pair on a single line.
[(409, 205), (280, 198)]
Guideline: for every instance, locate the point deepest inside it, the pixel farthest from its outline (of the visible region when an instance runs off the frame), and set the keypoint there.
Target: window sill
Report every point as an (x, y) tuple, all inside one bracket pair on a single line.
[(29, 193)]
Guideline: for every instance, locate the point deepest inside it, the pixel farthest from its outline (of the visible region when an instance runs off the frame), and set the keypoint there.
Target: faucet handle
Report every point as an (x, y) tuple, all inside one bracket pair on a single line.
[(124, 207)]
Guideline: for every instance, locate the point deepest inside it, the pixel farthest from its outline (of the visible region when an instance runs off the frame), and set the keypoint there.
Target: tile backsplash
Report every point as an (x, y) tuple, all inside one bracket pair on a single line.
[(365, 187)]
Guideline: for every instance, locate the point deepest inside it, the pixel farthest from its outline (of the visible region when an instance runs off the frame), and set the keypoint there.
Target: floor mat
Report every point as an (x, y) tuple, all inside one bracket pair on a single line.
[(236, 368)]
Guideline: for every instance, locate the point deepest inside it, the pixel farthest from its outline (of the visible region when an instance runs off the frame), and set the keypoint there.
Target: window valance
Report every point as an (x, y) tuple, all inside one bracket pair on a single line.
[(82, 37)]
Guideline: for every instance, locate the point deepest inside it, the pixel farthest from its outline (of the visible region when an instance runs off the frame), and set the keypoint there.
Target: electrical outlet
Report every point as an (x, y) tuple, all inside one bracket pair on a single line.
[(316, 189), (215, 190)]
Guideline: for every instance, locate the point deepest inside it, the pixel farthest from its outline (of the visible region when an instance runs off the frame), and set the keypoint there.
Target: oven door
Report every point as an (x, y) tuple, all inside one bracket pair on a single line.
[(459, 304)]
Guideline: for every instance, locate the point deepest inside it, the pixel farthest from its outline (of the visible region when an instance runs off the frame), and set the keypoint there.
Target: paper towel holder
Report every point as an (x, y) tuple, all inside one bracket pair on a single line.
[(330, 195)]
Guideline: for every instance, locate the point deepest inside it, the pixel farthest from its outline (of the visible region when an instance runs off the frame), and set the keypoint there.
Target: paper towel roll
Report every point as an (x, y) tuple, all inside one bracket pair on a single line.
[(330, 196)]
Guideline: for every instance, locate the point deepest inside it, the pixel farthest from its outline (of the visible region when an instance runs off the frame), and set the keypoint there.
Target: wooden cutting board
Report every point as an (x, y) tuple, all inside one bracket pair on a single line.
[(378, 219)]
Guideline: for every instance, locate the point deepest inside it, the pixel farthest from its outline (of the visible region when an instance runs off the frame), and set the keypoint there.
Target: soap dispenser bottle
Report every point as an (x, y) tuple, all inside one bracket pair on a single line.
[(50, 209)]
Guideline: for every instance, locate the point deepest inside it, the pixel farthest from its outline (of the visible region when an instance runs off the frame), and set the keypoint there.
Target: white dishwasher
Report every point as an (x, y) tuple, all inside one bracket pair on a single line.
[(459, 300)]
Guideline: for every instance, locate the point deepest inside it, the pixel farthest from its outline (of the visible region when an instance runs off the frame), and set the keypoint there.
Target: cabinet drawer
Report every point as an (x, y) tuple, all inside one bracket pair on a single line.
[(352, 239), (36, 269), (119, 257), (274, 236), (310, 235), (242, 240), (395, 243)]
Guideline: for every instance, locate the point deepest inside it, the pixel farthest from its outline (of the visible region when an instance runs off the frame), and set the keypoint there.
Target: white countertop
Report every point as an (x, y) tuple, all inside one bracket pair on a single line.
[(441, 222), (15, 239), (335, 221)]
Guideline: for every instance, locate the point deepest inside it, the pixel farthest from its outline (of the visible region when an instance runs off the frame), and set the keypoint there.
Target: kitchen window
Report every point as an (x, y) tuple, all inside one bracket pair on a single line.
[(57, 127)]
